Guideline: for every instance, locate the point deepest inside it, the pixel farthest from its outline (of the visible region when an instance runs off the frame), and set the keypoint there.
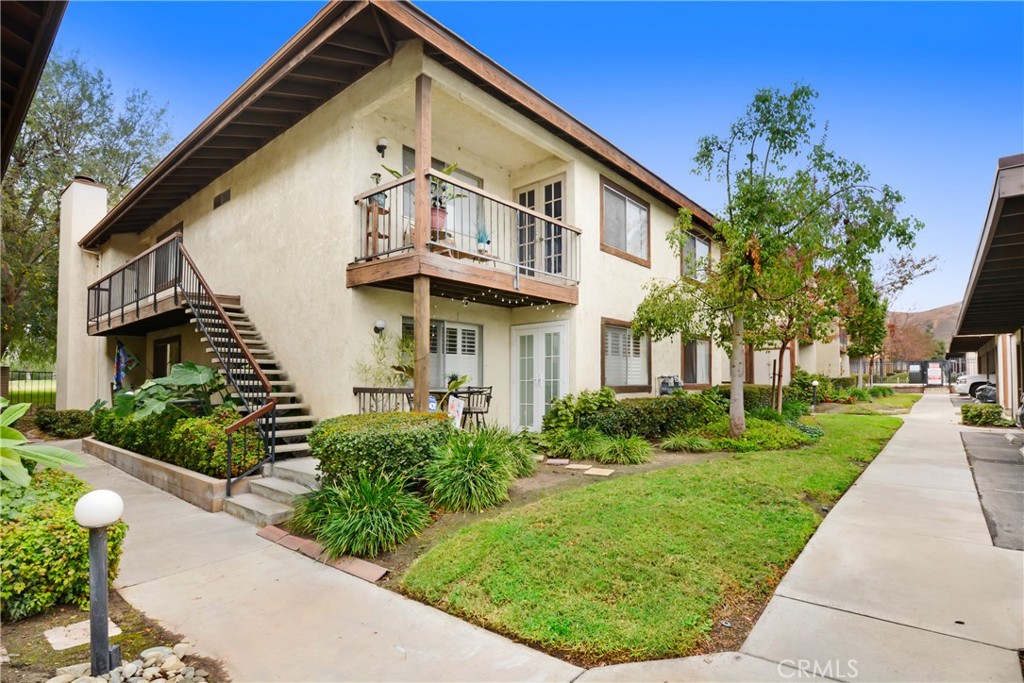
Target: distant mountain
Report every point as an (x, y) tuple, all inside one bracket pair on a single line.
[(941, 321)]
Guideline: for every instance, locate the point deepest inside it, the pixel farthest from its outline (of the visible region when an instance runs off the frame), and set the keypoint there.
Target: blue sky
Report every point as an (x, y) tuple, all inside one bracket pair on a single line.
[(926, 95)]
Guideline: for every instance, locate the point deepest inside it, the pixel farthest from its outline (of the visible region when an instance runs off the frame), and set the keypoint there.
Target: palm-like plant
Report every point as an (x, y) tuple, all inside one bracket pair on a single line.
[(15, 449)]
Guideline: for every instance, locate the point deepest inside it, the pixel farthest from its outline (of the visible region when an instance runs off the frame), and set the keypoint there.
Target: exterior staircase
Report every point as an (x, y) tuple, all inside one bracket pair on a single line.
[(270, 496)]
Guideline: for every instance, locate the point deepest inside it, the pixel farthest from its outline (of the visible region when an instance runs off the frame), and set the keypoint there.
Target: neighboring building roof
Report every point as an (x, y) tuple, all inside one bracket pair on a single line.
[(342, 43), (994, 301), (27, 30)]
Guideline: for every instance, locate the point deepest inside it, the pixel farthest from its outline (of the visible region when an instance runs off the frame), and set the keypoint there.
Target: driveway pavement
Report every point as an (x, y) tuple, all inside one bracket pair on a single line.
[(997, 460), (901, 582)]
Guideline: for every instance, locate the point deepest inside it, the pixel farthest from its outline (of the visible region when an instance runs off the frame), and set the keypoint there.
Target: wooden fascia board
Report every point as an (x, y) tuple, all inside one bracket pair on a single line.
[(504, 82), (326, 22)]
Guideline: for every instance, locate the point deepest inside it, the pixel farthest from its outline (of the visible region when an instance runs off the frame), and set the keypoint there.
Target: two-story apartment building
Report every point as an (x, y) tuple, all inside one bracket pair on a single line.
[(521, 267)]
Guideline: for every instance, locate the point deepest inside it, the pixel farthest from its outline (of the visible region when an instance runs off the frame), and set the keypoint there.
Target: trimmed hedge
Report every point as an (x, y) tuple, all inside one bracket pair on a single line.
[(201, 445), (67, 424), (44, 554), (656, 417), (198, 444), (571, 411), (148, 436), (984, 414), (394, 445)]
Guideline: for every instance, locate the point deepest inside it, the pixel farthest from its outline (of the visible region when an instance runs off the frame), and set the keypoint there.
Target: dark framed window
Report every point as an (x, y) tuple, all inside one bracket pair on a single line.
[(625, 360), (455, 349), (166, 352), (697, 363), (625, 224), (696, 256)]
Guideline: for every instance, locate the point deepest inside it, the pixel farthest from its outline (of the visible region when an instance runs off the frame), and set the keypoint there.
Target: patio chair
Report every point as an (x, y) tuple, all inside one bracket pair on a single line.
[(478, 402)]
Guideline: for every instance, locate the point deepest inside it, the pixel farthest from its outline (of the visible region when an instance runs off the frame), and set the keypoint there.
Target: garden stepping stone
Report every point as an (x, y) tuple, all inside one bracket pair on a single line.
[(63, 637), (599, 472), (557, 461), (272, 533), (578, 467), (360, 568)]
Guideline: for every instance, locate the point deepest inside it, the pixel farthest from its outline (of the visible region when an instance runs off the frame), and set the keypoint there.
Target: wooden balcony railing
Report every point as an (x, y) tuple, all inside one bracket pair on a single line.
[(474, 225), (143, 281)]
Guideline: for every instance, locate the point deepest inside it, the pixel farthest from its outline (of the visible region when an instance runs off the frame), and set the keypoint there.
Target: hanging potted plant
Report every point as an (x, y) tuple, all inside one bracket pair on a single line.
[(483, 240)]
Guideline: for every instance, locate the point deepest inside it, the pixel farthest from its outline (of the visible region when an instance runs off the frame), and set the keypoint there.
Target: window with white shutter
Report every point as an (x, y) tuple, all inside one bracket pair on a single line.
[(626, 360)]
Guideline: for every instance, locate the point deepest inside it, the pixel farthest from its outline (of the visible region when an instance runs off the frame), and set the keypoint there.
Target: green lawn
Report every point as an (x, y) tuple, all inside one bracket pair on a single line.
[(634, 568), (895, 404)]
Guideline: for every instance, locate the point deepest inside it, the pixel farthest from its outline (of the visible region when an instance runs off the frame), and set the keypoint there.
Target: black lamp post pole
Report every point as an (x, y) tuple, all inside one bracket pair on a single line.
[(99, 635)]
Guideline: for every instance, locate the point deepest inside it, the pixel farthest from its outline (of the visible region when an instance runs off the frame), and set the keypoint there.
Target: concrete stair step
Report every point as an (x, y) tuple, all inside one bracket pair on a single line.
[(299, 470), (291, 433), (255, 509), (250, 342), (268, 373), (284, 406), (277, 489), (266, 353), (294, 419), (284, 448)]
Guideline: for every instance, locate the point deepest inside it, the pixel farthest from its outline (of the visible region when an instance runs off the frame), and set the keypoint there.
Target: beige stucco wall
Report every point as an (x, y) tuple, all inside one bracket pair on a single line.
[(286, 236)]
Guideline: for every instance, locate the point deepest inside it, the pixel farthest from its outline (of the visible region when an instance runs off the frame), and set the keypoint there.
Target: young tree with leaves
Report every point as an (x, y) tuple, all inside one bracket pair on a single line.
[(864, 318), (73, 127), (796, 214)]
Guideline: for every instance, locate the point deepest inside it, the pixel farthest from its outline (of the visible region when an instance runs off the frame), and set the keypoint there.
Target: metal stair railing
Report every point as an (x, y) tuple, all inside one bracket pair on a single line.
[(241, 369)]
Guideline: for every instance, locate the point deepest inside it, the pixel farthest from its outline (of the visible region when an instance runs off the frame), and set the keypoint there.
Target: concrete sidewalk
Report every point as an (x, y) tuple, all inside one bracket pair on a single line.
[(271, 614), (901, 582)]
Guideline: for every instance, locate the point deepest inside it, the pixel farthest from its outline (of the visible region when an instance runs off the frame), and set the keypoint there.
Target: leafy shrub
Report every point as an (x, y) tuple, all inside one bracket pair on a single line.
[(880, 391), (67, 424), (148, 436), (200, 444), (623, 450), (793, 409), (760, 435), (570, 411), (688, 443), (859, 394), (519, 449), (984, 414), (656, 417), (18, 456), (813, 431), (844, 382), (393, 445), (364, 514), (574, 443), (754, 396), (766, 413), (470, 473), (44, 554)]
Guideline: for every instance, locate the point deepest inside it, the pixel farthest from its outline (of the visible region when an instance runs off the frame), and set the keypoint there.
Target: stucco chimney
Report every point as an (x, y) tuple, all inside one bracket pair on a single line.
[(82, 205)]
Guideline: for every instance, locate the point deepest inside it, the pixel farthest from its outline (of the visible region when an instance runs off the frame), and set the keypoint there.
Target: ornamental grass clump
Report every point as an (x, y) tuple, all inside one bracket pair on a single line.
[(575, 443), (471, 472), (687, 443), (624, 450), (520, 450), (361, 515)]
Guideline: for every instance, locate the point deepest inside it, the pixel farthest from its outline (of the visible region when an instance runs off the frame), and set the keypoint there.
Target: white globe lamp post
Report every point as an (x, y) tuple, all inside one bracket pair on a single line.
[(814, 399), (96, 511)]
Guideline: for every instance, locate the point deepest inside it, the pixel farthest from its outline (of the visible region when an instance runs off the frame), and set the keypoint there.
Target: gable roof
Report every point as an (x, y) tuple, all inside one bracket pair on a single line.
[(343, 42)]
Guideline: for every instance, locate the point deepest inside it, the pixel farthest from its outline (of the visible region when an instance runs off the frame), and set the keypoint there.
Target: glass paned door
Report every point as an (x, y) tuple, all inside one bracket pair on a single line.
[(540, 243), (538, 372)]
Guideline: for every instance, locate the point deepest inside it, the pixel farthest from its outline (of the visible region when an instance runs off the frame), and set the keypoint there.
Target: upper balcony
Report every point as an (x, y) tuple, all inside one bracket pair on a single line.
[(480, 248)]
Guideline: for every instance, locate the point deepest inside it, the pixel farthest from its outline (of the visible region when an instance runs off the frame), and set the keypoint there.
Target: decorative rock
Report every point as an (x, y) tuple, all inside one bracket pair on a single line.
[(63, 678), (172, 664), (202, 673), (130, 668), (188, 671), (159, 649), (115, 676), (75, 670), (181, 649), (150, 672)]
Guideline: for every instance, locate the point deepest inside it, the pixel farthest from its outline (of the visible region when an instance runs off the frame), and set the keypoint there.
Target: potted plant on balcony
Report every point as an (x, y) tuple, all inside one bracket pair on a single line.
[(441, 193)]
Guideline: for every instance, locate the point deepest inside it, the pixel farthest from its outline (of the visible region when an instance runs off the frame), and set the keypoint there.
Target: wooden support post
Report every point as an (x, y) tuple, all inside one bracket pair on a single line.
[(423, 157), (421, 341)]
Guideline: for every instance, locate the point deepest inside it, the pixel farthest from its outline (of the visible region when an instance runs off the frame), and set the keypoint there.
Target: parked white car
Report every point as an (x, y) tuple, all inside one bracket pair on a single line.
[(968, 384)]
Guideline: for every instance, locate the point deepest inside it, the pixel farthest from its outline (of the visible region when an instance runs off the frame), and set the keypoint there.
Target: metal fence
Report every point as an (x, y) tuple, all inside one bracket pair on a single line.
[(38, 387)]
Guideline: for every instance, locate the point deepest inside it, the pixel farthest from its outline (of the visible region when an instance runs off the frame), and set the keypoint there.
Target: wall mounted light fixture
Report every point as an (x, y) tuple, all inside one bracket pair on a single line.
[(382, 146), (379, 326)]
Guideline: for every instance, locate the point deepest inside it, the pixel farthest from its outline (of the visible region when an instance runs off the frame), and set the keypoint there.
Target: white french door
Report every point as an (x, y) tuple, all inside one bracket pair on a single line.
[(539, 371), (538, 243)]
